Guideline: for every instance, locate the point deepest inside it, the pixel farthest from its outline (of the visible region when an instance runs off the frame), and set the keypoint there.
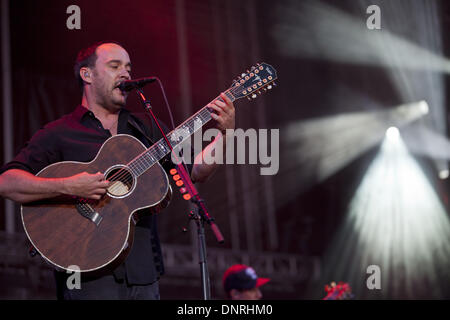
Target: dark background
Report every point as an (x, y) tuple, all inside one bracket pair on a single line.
[(223, 39)]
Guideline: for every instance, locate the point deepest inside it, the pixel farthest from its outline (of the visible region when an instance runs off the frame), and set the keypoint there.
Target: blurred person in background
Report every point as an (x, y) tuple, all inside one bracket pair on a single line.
[(241, 282)]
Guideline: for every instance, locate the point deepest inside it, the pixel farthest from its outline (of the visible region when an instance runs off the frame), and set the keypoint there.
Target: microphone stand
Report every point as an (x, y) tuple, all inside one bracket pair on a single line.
[(200, 214)]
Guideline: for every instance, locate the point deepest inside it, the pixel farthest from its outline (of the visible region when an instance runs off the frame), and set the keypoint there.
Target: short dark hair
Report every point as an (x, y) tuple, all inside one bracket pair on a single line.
[(86, 58)]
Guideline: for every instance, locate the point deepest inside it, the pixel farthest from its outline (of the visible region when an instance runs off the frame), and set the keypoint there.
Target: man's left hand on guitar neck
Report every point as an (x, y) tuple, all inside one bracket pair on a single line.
[(225, 113)]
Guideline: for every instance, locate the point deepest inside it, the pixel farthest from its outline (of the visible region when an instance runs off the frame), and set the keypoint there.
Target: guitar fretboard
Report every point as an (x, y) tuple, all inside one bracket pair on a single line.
[(160, 149)]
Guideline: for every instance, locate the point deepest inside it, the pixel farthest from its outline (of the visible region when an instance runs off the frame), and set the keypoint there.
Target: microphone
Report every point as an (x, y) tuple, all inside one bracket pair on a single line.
[(129, 85)]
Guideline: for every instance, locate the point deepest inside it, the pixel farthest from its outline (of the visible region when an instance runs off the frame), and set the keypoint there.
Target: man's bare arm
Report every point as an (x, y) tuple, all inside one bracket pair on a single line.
[(224, 116), (204, 166), (22, 186)]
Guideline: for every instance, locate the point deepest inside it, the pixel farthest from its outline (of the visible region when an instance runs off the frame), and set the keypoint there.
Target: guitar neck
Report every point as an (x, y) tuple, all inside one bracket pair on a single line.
[(160, 149), (247, 85)]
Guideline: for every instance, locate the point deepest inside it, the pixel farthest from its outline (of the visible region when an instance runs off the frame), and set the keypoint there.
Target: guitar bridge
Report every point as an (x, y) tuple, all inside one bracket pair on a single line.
[(88, 212)]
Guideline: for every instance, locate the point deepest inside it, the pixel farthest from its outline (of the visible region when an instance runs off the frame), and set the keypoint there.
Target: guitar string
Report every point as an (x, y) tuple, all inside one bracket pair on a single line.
[(138, 164), (141, 162), (136, 167), (121, 173)]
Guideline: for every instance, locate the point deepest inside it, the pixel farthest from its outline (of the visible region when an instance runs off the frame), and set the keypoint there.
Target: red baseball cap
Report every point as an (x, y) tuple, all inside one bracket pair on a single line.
[(242, 277)]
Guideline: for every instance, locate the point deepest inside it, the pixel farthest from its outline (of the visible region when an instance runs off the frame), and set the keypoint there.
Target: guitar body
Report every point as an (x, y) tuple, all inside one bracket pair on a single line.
[(95, 235)]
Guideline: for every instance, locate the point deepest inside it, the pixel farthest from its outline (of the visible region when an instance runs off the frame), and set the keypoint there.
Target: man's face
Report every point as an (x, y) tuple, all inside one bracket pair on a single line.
[(111, 68), (251, 294)]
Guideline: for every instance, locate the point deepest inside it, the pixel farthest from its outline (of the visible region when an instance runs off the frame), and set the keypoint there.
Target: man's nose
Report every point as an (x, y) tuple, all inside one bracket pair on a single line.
[(125, 74)]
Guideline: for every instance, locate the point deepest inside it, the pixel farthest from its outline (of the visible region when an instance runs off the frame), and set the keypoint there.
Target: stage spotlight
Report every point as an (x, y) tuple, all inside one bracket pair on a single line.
[(315, 149), (392, 134), (395, 221), (413, 57), (423, 105), (443, 174)]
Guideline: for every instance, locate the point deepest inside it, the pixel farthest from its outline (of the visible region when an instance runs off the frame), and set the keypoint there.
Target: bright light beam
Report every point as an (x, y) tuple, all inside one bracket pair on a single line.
[(395, 221), (409, 45), (318, 148), (427, 142), (320, 31)]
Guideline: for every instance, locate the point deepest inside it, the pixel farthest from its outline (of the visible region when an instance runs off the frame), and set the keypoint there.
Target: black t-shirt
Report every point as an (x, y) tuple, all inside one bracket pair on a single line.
[(78, 136)]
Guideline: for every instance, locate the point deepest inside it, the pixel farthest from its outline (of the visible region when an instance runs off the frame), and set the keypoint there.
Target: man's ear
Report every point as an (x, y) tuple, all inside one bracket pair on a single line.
[(86, 74)]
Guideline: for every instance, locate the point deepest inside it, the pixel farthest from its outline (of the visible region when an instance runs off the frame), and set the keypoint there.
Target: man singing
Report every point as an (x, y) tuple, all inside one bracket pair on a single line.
[(78, 136)]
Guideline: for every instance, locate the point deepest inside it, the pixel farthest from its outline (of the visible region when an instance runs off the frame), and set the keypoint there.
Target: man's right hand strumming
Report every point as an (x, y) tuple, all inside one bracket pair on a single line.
[(22, 186), (85, 185)]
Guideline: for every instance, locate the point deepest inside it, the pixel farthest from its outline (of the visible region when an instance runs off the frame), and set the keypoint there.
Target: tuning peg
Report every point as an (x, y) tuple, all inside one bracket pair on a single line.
[(254, 95), (259, 92), (252, 68), (242, 75), (269, 87), (265, 89), (249, 99), (274, 84)]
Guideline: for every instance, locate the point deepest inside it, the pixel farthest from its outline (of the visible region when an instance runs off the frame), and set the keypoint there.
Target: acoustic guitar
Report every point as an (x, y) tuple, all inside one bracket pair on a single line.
[(92, 236)]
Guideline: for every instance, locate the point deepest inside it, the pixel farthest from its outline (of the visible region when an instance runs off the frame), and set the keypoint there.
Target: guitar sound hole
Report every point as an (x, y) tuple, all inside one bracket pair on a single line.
[(121, 181)]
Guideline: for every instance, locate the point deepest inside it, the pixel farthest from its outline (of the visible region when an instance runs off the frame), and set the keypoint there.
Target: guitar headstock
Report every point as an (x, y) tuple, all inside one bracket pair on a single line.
[(255, 81)]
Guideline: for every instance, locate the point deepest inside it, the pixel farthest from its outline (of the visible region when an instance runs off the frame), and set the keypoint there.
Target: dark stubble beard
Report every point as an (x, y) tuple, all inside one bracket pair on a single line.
[(104, 97)]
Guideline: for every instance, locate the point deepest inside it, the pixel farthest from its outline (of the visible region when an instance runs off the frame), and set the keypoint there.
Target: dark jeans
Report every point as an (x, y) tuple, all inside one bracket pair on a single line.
[(106, 288)]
